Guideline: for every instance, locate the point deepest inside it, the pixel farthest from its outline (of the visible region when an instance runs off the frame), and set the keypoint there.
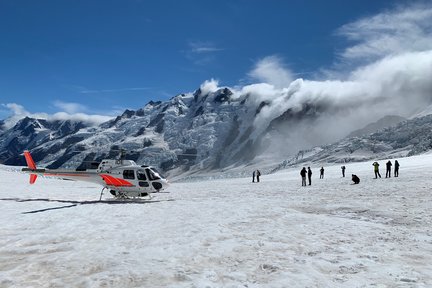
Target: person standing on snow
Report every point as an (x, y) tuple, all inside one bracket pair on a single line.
[(322, 173), (388, 170), (253, 176), (309, 176), (343, 171), (303, 175), (376, 170), (396, 169), (258, 174)]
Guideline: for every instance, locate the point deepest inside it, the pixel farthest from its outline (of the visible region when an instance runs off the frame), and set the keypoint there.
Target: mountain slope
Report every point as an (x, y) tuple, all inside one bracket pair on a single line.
[(190, 129), (410, 137), (199, 132), (382, 123)]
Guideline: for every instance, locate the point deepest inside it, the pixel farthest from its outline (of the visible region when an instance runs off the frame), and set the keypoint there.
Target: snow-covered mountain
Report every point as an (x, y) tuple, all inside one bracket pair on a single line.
[(409, 137), (204, 130), (382, 123)]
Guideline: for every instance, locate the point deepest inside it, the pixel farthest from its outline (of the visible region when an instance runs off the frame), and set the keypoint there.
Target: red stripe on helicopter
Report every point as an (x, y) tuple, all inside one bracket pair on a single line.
[(117, 182)]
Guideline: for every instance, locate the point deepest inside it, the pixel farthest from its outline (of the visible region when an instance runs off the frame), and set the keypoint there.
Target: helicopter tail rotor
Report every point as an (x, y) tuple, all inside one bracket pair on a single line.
[(31, 165)]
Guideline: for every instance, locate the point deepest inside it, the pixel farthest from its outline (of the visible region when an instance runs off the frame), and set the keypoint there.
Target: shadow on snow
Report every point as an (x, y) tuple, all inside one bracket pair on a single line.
[(74, 203)]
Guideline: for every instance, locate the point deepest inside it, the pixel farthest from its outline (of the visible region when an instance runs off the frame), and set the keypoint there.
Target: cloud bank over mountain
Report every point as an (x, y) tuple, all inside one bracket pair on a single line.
[(390, 74), (71, 113)]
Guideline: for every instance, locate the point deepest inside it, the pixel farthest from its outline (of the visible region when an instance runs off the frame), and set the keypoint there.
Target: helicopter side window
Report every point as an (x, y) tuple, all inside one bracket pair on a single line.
[(141, 175), (143, 184), (128, 174)]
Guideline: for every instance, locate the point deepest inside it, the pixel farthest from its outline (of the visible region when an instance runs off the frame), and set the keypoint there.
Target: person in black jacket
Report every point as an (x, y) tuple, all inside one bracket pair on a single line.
[(258, 174), (355, 179), (303, 175), (343, 171), (388, 170), (309, 176), (396, 169), (322, 173)]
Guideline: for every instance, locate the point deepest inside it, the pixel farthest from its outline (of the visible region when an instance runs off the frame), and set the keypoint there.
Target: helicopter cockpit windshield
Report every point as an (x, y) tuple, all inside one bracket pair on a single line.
[(148, 174), (152, 174)]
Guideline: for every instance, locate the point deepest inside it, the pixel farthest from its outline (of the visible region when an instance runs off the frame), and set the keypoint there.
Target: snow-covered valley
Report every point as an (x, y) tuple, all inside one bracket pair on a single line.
[(223, 233)]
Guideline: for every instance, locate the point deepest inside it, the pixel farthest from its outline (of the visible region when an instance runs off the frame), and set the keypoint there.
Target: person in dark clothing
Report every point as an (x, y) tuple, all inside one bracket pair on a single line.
[(343, 171), (303, 175), (376, 170), (355, 179), (322, 173), (396, 169), (309, 176), (253, 176), (388, 170), (258, 174)]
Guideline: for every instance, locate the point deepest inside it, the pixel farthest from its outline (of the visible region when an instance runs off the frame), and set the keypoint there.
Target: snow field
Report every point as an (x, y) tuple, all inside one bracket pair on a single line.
[(223, 233)]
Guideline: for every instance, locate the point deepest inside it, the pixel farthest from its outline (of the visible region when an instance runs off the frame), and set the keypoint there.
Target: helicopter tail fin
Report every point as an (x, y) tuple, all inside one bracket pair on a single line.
[(31, 165)]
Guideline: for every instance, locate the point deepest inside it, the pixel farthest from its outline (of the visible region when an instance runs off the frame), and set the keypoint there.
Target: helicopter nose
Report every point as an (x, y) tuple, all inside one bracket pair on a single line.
[(166, 183)]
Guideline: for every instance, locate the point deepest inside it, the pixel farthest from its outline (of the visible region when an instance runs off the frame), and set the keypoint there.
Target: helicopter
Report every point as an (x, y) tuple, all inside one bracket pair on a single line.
[(123, 178)]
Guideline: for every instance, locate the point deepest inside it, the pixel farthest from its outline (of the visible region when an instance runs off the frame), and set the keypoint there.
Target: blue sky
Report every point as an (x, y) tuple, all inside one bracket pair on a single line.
[(101, 57)]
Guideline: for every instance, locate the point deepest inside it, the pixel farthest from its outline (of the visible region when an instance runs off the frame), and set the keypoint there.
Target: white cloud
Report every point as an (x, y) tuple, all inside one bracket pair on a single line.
[(18, 112), (396, 85), (405, 29), (203, 47), (202, 53), (90, 119), (393, 78), (70, 107), (271, 70), (209, 86)]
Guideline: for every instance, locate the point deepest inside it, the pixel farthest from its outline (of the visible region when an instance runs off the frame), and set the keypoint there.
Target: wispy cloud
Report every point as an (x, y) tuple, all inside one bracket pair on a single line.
[(404, 29), (203, 47), (95, 91), (70, 107), (202, 53)]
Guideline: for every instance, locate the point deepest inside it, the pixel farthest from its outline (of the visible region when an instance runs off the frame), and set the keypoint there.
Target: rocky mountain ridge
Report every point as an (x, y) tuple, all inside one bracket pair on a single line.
[(199, 131)]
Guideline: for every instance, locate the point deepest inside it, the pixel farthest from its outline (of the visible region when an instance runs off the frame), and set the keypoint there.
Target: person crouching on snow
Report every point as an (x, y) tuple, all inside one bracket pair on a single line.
[(355, 179)]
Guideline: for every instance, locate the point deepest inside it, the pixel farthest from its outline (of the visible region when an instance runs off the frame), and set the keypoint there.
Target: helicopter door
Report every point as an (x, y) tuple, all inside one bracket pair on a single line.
[(154, 177), (142, 179)]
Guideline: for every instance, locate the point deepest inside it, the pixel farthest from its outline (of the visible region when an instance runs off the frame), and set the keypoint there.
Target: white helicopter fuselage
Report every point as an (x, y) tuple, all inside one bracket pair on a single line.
[(123, 178), (145, 179)]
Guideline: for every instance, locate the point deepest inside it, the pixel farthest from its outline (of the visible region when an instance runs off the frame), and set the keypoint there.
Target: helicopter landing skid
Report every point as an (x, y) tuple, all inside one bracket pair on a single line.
[(123, 196), (100, 198)]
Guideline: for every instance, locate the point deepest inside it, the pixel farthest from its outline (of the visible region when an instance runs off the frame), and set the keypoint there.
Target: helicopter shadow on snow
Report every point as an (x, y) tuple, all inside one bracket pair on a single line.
[(74, 203)]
